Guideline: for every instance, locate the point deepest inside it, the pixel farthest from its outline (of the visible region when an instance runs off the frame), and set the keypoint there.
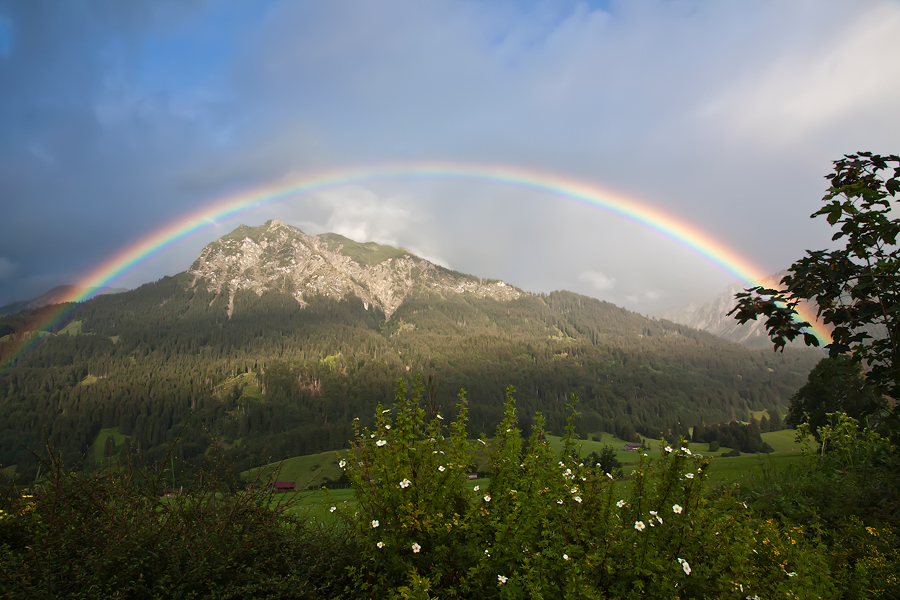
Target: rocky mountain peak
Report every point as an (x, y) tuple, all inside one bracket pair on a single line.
[(277, 256)]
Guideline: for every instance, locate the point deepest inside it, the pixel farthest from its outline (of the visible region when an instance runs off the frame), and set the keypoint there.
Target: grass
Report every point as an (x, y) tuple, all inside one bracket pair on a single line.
[(304, 471), (98, 448), (310, 470), (73, 328), (367, 254), (89, 380)]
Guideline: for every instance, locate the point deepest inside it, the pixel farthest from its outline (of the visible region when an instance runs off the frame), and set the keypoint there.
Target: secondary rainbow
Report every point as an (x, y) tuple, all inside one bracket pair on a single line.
[(565, 186)]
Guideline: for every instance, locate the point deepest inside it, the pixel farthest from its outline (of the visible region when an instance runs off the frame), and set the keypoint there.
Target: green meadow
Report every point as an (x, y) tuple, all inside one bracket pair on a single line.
[(313, 470)]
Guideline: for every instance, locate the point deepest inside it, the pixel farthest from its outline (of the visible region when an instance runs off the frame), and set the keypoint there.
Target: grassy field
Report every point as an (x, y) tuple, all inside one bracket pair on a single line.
[(304, 471), (312, 469), (98, 448)]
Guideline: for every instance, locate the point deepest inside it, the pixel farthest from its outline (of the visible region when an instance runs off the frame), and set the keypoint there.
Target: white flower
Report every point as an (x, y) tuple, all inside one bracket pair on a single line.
[(676, 508), (578, 499), (487, 498), (375, 523), (387, 426), (502, 579), (559, 501), (476, 488), (639, 525), (440, 417), (565, 557), (688, 452), (685, 566), (487, 553), (620, 503), (441, 468), (332, 509), (668, 449), (416, 548), (574, 490), (387, 410), (342, 464), (688, 475), (371, 436), (405, 483), (659, 519), (380, 544), (380, 443), (653, 512), (791, 574), (609, 475)]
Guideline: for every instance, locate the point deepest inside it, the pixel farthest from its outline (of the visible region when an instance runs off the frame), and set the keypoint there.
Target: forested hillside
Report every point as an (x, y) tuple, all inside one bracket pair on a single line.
[(280, 379)]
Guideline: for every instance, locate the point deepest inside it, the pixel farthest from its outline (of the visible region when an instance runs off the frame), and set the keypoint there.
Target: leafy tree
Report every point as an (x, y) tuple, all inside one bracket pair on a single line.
[(856, 288), (835, 385), (607, 461)]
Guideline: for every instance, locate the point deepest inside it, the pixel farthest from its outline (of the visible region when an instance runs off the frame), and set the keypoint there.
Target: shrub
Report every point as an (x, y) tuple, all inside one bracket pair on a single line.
[(113, 535), (546, 525)]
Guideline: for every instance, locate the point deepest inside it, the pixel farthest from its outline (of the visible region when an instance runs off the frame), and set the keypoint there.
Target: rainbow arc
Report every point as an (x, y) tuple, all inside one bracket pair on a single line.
[(589, 194)]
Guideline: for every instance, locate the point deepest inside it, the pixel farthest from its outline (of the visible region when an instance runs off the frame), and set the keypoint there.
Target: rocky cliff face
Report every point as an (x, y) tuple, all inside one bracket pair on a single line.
[(276, 256)]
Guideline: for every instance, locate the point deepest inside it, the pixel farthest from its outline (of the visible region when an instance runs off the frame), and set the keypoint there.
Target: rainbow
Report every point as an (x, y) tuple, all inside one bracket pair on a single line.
[(564, 186)]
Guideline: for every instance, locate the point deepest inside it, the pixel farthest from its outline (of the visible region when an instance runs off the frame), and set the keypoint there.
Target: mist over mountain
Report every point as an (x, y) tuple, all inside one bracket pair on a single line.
[(712, 316), (274, 341)]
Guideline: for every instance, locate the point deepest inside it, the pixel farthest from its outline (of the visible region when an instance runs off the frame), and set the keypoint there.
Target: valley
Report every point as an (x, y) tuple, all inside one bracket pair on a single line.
[(273, 342)]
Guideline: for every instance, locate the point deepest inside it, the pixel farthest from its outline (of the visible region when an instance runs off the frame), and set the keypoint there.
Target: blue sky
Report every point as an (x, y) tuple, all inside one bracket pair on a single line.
[(117, 118)]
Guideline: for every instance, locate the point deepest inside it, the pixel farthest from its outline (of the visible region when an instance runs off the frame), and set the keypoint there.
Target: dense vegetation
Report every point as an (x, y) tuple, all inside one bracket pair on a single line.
[(545, 525), (277, 379)]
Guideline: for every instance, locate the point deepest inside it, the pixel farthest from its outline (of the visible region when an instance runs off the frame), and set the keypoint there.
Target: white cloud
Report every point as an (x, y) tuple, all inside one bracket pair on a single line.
[(649, 296), (597, 280), (434, 258), (817, 82)]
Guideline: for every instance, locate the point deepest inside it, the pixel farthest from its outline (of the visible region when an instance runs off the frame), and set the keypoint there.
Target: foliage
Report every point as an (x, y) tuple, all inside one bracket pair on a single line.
[(856, 288), (287, 380), (836, 385), (550, 525), (743, 437), (113, 535), (846, 494)]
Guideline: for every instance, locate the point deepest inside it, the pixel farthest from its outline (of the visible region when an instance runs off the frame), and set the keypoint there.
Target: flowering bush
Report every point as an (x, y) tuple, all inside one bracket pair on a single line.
[(547, 525)]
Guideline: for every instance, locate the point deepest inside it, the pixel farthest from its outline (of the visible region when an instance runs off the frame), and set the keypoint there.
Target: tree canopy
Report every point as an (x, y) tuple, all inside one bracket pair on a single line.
[(856, 288)]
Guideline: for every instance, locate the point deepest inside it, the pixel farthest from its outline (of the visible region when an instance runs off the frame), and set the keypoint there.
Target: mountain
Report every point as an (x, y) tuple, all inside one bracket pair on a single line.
[(712, 316), (275, 256), (273, 342), (55, 296)]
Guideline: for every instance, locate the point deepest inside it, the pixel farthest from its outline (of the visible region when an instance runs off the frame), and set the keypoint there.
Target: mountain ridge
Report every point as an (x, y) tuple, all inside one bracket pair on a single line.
[(279, 256)]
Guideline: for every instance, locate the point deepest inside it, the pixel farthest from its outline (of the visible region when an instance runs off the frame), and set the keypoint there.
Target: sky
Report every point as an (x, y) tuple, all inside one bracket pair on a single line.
[(120, 118)]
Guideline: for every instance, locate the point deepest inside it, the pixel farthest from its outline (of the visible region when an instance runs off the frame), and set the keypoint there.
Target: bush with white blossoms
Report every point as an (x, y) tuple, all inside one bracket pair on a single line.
[(533, 532)]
